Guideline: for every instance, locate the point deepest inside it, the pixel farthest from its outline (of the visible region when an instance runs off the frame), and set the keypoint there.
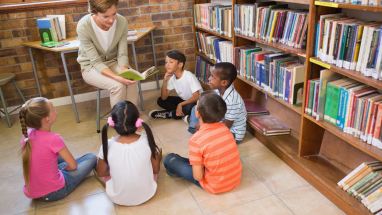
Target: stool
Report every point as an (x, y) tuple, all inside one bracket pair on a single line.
[(5, 78)]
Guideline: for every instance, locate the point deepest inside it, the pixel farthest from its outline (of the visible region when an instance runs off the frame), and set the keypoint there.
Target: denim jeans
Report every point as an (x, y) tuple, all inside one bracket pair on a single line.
[(177, 165), (85, 165), (193, 121)]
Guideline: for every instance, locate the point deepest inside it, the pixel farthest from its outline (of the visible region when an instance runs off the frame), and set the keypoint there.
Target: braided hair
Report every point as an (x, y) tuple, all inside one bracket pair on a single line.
[(125, 114), (30, 115)]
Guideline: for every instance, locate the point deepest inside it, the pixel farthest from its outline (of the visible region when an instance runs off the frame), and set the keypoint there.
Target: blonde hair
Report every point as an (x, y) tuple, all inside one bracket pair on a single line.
[(30, 115), (101, 6)]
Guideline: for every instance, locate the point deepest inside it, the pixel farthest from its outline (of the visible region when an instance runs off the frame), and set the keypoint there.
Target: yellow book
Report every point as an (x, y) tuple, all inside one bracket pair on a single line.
[(134, 75), (273, 26), (357, 47)]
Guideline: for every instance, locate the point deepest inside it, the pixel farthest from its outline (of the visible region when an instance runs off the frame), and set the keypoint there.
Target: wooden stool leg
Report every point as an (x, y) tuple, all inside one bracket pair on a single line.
[(5, 108)]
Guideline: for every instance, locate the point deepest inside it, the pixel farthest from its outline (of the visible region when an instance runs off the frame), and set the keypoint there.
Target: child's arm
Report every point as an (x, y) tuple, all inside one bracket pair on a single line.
[(228, 123), (102, 168), (198, 172), (68, 158), (155, 162), (194, 98), (164, 91)]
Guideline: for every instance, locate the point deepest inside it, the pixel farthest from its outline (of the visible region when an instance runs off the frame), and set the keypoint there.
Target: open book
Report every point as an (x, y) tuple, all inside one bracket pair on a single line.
[(134, 75)]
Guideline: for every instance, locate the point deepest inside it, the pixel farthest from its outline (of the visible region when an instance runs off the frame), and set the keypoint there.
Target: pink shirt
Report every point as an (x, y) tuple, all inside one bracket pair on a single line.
[(45, 177)]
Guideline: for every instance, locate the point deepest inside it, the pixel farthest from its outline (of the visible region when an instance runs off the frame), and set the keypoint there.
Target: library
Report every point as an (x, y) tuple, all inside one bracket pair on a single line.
[(241, 107)]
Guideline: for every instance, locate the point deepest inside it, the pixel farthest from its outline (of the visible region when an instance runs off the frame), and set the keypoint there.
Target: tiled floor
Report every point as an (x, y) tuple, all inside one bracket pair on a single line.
[(269, 186)]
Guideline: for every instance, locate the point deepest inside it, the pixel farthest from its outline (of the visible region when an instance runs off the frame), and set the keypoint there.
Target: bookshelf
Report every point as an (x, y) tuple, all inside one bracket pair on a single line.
[(317, 150)]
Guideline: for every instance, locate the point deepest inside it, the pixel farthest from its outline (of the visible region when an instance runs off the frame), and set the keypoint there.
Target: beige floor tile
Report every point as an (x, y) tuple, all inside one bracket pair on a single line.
[(90, 186), (250, 189), (12, 198), (172, 197), (277, 175), (96, 204), (307, 200), (265, 206)]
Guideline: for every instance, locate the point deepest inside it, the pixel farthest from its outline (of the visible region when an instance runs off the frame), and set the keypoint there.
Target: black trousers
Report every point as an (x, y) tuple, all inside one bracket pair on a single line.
[(172, 102)]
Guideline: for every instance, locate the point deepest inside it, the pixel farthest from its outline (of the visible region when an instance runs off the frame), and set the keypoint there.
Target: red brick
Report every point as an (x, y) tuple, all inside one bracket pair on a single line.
[(182, 14), (158, 1), (134, 3), (171, 7), (160, 16), (150, 9), (19, 33), (183, 29), (129, 11), (6, 34), (139, 19)]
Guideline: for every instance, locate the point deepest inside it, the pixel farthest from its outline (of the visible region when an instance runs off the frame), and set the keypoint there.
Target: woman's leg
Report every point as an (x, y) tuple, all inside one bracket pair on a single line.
[(85, 164), (179, 166)]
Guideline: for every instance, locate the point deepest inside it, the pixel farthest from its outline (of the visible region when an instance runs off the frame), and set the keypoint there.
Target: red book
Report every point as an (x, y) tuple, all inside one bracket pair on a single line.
[(255, 109), (268, 125)]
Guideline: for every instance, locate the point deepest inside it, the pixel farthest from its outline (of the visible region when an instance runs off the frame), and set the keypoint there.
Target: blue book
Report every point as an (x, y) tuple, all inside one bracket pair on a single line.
[(317, 39)]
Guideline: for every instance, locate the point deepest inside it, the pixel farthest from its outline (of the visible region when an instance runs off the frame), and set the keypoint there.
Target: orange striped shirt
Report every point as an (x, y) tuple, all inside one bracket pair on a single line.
[(214, 147)]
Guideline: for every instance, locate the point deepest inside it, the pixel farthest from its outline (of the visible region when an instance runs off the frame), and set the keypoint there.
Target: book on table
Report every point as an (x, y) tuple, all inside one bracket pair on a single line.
[(268, 125), (134, 75)]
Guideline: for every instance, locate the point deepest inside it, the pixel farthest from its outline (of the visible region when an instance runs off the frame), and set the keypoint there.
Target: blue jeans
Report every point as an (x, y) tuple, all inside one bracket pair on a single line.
[(177, 165), (193, 121), (85, 165)]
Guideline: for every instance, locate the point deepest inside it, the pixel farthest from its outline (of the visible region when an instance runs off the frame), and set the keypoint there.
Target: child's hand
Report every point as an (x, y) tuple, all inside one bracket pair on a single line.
[(167, 76), (179, 111)]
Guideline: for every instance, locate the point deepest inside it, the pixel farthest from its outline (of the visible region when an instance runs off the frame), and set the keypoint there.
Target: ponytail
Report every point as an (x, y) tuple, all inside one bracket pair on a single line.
[(26, 149), (105, 144), (150, 137)]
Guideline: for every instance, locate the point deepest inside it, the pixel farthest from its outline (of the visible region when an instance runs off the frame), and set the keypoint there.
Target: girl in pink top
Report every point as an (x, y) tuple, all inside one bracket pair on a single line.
[(50, 171)]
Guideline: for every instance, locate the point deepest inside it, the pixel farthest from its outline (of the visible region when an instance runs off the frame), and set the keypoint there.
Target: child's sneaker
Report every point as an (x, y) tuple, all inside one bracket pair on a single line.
[(186, 119), (160, 114)]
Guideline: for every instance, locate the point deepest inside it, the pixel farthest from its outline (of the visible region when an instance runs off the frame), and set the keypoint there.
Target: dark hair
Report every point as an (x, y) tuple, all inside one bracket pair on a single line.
[(124, 115), (177, 55), (211, 107), (30, 115), (226, 71), (101, 6)]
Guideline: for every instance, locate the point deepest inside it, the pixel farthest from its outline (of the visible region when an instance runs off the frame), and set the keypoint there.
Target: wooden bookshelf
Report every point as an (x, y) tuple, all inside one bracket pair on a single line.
[(355, 142), (319, 152), (297, 109), (367, 8), (348, 73), (213, 33), (279, 46)]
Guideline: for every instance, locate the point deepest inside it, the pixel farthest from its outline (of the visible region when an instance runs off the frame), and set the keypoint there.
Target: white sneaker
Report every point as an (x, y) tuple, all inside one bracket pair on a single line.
[(186, 119)]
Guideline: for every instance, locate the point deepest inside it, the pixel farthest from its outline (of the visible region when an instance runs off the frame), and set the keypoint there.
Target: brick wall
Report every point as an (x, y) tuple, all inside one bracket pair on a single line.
[(174, 31)]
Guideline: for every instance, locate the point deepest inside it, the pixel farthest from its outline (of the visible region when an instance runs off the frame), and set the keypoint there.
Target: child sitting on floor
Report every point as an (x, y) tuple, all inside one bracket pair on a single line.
[(131, 160), (183, 82), (214, 161), (221, 80), (50, 171)]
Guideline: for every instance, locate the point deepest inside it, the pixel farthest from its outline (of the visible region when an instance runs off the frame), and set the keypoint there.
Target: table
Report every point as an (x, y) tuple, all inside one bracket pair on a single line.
[(73, 46)]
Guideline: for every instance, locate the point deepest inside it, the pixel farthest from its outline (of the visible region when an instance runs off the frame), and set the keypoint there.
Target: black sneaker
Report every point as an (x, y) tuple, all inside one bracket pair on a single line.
[(160, 114)]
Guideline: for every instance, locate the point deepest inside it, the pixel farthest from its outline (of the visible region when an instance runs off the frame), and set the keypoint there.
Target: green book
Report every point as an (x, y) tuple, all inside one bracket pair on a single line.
[(134, 75)]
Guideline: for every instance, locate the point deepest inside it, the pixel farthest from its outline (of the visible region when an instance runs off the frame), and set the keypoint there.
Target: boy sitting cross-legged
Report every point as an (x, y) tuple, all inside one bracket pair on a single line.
[(221, 80), (214, 162), (183, 82)]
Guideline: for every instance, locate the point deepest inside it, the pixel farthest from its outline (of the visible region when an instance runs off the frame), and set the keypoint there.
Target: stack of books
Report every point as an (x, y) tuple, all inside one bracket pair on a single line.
[(358, 2), (268, 125), (350, 44), (52, 30), (132, 35), (280, 74), (214, 47), (254, 108), (354, 108), (214, 16), (365, 184)]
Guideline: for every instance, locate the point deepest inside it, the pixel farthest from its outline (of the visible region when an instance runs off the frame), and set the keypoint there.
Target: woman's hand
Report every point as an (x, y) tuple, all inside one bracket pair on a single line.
[(126, 81)]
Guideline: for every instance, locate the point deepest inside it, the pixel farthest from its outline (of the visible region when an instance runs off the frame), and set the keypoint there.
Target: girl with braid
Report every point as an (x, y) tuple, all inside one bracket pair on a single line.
[(50, 171), (130, 160)]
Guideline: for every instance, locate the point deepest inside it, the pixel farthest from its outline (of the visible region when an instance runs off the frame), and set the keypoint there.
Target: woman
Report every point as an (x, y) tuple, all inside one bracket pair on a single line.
[(103, 50)]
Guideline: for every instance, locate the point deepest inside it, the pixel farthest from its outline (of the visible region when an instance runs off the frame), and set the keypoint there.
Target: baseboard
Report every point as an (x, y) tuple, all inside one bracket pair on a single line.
[(83, 97)]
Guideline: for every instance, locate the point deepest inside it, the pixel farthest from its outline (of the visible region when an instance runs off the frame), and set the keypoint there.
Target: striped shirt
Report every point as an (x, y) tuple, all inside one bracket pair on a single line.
[(236, 112), (213, 146)]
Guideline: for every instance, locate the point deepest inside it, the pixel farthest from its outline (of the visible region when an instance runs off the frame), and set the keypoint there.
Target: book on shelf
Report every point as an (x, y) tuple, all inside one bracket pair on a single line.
[(51, 29), (202, 69), (350, 44), (268, 125), (133, 74), (365, 184), (215, 17), (215, 48), (357, 2), (253, 108)]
